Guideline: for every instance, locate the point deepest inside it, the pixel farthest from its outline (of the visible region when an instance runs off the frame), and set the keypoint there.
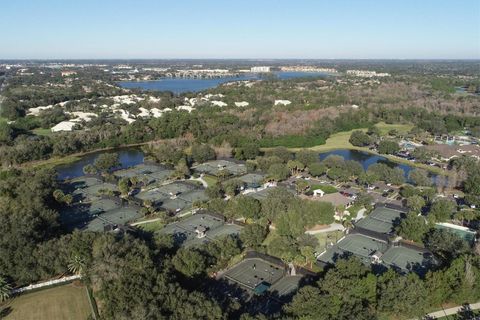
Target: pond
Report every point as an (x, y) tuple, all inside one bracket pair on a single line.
[(133, 156), (181, 85), (366, 159), (128, 157)]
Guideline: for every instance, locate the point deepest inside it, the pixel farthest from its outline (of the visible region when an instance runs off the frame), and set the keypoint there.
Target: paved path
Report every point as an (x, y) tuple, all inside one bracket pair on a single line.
[(145, 221), (360, 214), (450, 311), (332, 227), (204, 183)]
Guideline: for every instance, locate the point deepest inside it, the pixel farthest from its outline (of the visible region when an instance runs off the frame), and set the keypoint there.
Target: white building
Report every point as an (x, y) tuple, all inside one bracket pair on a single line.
[(260, 69)]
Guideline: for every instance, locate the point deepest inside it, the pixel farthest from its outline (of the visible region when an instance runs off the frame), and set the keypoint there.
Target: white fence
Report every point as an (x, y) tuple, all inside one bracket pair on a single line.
[(45, 284)]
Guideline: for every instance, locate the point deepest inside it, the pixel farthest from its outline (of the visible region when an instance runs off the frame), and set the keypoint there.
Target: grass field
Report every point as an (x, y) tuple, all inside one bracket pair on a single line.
[(325, 237), (324, 187), (210, 180), (340, 141), (401, 128), (152, 226), (42, 132), (64, 302)]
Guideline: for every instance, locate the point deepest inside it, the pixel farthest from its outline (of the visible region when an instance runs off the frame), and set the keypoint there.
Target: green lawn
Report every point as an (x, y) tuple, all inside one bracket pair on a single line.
[(327, 237), (152, 226), (325, 188), (42, 132), (64, 302), (401, 128), (210, 180)]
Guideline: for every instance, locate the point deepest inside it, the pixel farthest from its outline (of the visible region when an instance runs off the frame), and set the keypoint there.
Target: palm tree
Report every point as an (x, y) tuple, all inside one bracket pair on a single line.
[(77, 265), (348, 224), (5, 289)]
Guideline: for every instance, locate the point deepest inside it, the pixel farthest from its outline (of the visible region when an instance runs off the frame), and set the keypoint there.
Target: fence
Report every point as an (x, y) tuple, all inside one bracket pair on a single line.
[(46, 284)]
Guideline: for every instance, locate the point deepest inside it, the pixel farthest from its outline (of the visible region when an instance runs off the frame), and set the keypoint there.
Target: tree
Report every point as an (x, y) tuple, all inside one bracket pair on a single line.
[(5, 289), (214, 191), (388, 147), (302, 186), (77, 265), (189, 262), (6, 132), (399, 294), (243, 207), (124, 185), (311, 303), (419, 177), (232, 187), (252, 235), (61, 197), (295, 167), (278, 201), (472, 184), (278, 172), (202, 153), (415, 203), (105, 162), (317, 169), (90, 169), (359, 138), (306, 157), (367, 179), (413, 227), (445, 245), (182, 169), (441, 210), (247, 151), (290, 224)]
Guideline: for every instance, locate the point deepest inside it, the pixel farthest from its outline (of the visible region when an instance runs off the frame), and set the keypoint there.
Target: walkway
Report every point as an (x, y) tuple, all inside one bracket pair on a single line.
[(332, 227), (360, 214), (450, 311)]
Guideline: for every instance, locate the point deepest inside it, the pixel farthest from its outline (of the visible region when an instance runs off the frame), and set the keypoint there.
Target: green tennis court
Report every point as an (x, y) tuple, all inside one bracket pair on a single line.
[(356, 244), (184, 231), (381, 220), (286, 285), (214, 167), (406, 258), (253, 271)]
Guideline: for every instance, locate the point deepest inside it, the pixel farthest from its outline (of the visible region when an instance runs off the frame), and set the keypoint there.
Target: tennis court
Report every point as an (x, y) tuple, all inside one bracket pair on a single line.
[(148, 173), (252, 180), (253, 271), (286, 285), (184, 231), (407, 259), (174, 197), (96, 215), (356, 244), (214, 167), (381, 220)]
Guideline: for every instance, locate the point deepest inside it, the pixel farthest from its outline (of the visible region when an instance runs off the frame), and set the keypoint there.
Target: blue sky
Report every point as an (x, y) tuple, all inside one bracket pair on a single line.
[(357, 29)]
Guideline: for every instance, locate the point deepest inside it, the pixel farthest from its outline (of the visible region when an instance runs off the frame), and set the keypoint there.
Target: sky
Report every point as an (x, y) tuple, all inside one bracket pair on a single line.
[(246, 29)]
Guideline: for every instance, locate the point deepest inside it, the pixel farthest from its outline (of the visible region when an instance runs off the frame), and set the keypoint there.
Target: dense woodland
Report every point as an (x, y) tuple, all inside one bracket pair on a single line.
[(320, 107)]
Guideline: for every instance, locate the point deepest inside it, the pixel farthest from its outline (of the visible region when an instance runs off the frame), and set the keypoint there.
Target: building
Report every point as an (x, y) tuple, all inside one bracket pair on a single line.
[(67, 73), (260, 69)]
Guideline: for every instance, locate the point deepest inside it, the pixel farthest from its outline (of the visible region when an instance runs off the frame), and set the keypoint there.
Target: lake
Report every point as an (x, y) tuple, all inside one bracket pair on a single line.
[(128, 157), (181, 85), (133, 156)]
